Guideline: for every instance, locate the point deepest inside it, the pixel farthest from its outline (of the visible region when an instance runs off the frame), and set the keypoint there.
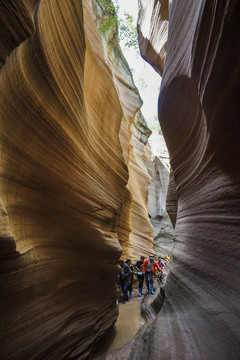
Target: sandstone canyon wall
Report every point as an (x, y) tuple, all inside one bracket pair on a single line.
[(199, 115), (134, 229), (172, 200), (153, 20), (157, 197), (72, 196)]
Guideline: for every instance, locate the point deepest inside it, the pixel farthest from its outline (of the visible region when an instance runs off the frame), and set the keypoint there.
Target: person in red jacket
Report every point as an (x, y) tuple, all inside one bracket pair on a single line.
[(149, 269)]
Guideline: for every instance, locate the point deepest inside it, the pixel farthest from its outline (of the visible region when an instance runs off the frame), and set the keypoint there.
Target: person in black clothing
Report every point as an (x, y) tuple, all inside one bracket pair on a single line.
[(121, 263), (127, 278), (140, 274)]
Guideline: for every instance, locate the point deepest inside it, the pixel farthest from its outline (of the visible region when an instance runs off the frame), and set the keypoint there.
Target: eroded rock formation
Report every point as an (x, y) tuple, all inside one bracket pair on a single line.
[(157, 196), (171, 201), (199, 115), (134, 229), (71, 147), (153, 15)]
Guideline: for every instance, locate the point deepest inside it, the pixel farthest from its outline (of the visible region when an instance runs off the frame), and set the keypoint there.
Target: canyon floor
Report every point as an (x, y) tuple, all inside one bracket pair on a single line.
[(133, 316)]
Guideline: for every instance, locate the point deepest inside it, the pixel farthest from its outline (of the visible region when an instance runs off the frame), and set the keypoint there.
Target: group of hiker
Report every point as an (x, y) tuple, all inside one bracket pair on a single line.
[(146, 269)]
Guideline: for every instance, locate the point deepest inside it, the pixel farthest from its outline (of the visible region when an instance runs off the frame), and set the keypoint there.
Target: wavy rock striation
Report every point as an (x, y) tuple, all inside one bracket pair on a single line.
[(16, 25), (171, 200), (153, 15), (62, 183), (157, 196), (199, 115), (73, 182), (135, 232)]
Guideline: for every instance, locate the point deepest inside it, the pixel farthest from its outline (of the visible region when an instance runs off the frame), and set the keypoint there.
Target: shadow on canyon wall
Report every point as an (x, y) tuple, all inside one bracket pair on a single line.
[(74, 183)]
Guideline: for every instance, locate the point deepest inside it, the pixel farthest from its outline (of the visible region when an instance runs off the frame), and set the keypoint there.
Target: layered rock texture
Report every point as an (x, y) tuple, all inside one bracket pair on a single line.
[(199, 114), (134, 230), (172, 199), (153, 15), (73, 183), (157, 196)]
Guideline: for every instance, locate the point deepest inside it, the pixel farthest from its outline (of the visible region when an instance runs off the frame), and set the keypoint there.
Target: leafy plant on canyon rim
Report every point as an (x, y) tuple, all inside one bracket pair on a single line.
[(127, 30)]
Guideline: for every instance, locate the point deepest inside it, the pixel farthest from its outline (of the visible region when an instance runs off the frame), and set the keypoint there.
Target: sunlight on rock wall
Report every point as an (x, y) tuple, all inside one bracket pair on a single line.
[(135, 232), (141, 237), (73, 182)]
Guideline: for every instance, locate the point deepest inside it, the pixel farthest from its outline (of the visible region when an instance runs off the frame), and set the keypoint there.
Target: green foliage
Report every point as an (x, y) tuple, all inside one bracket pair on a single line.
[(111, 19), (126, 26), (128, 31)]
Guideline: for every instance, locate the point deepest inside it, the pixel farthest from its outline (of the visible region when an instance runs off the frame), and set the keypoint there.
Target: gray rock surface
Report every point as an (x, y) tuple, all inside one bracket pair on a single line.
[(199, 114), (157, 194)]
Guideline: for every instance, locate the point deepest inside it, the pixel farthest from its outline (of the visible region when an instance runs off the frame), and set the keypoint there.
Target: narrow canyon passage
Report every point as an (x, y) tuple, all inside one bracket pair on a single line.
[(81, 186), (126, 327), (134, 315)]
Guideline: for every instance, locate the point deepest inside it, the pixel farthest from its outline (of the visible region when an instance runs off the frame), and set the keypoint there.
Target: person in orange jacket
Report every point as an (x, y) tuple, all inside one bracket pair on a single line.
[(149, 270)]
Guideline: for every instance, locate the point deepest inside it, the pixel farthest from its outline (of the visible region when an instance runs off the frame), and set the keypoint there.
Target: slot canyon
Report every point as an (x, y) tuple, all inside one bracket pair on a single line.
[(80, 187)]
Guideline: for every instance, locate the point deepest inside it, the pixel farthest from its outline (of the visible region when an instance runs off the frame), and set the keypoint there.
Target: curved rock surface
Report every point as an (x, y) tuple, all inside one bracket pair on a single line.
[(171, 200), (157, 195), (199, 115), (73, 181), (62, 183), (135, 232), (153, 15), (16, 25)]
